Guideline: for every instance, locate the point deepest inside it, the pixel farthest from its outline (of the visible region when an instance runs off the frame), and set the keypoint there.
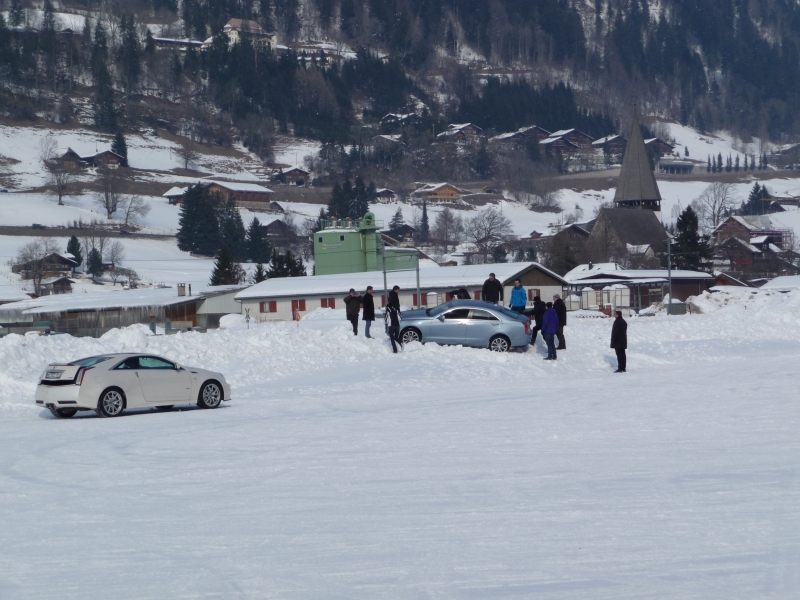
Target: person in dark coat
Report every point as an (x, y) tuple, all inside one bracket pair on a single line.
[(392, 320), (561, 311), (368, 312), (549, 329), (492, 290), (352, 303), (538, 314), (394, 298), (619, 341)]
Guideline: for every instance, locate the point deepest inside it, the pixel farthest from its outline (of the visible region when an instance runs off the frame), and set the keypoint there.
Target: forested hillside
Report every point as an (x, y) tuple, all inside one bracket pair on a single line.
[(499, 63)]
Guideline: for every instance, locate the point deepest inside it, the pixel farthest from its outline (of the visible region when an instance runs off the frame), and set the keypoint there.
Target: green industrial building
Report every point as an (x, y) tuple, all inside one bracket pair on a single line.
[(344, 246)]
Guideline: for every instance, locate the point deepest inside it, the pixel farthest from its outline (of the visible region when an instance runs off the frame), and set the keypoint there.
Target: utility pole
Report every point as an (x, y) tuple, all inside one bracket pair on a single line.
[(669, 273)]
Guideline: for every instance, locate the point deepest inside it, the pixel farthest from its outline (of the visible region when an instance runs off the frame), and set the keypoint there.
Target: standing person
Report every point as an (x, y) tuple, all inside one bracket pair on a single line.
[(492, 290), (549, 329), (394, 298), (538, 315), (392, 319), (619, 341), (518, 297), (368, 313), (561, 311), (352, 303)]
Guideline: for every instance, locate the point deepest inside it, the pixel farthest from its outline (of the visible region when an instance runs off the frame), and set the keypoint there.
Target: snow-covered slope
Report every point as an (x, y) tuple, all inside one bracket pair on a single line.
[(340, 470)]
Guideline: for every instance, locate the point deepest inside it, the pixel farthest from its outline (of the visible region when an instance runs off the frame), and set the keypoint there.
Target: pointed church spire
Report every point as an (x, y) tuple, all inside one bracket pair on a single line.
[(636, 187)]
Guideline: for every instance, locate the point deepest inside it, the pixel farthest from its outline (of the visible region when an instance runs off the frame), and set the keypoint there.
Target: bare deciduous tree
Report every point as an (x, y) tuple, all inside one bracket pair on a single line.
[(714, 205), (487, 230), (31, 258), (60, 174), (187, 153), (110, 195), (133, 209)]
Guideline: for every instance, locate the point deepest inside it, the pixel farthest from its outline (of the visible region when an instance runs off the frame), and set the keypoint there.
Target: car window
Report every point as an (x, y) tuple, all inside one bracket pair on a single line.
[(129, 363), (481, 315), (437, 310), (152, 362), (458, 313), (89, 361)]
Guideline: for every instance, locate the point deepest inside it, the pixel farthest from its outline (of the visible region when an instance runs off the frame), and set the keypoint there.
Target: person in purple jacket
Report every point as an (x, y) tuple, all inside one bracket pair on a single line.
[(549, 329)]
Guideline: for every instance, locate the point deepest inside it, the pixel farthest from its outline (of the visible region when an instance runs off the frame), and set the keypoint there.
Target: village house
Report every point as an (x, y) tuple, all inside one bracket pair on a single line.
[(439, 192), (609, 286), (461, 133), (287, 298), (293, 176), (388, 142), (280, 234), (237, 29), (106, 158), (392, 122), (179, 43), (54, 264), (385, 195), (612, 146), (174, 195), (515, 139), (658, 147), (243, 195), (559, 146), (675, 166), (93, 314), (55, 285), (574, 136), (748, 227)]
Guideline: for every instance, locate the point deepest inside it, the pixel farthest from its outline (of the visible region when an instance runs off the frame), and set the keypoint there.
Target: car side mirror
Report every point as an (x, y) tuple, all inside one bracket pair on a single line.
[(441, 318), (178, 367)]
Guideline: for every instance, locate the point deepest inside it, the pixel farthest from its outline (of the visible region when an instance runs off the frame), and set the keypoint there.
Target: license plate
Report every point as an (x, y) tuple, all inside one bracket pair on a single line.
[(53, 374)]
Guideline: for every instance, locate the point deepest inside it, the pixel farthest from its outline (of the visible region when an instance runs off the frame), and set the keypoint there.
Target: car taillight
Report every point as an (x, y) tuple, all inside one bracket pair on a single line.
[(527, 325), (79, 375)]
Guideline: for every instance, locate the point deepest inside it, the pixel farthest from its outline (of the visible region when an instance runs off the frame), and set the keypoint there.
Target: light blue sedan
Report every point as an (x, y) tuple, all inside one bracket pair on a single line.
[(467, 323)]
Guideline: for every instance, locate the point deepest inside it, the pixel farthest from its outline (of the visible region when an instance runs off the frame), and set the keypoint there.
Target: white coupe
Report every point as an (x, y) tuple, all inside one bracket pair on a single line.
[(110, 383)]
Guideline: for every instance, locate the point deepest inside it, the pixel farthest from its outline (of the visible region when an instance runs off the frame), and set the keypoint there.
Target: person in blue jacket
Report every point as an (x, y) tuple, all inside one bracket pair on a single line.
[(549, 330), (518, 297)]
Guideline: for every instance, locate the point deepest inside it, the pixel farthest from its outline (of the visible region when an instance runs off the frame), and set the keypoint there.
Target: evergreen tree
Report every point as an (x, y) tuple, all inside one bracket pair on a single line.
[(149, 44), (130, 51), (120, 146), (764, 161), (285, 265), (691, 250), (339, 204), (728, 164), (756, 202), (231, 230), (483, 162), (424, 225), (17, 14), (708, 167), (94, 263), (258, 249), (719, 162), (198, 228), (359, 204), (259, 274), (74, 248), (499, 254), (105, 112), (397, 222), (736, 164), (226, 270)]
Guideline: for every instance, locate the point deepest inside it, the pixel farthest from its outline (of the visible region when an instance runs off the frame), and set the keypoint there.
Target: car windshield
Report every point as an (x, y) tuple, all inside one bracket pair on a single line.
[(89, 361)]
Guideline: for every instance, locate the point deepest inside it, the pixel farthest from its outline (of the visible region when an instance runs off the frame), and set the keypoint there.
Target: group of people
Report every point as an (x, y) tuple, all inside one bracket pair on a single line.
[(549, 318), (355, 302)]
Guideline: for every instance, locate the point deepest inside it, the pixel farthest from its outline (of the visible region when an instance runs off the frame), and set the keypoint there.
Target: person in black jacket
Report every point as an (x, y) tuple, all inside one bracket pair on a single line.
[(368, 310), (492, 290), (394, 298), (561, 311), (352, 303), (392, 318), (619, 341), (538, 313)]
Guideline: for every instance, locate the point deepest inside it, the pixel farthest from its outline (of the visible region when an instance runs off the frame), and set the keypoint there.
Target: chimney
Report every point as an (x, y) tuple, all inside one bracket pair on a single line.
[(181, 289), (190, 289)]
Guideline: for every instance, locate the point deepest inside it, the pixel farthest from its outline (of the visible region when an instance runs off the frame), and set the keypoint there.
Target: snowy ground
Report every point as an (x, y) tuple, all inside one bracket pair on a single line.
[(342, 471)]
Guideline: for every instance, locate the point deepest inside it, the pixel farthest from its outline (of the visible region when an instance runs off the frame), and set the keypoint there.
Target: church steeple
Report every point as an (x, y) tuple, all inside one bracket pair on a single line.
[(637, 186)]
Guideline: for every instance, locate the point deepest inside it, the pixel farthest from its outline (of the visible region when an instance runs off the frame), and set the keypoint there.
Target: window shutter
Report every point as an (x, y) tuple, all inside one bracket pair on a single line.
[(273, 306), (476, 295)]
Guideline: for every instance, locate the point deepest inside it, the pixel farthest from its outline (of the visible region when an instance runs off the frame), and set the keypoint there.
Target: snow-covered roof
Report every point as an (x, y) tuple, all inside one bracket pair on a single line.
[(561, 132), (759, 239), (638, 248), (554, 138), (110, 300), (433, 187), (174, 191), (617, 274), (430, 278), (606, 139), (237, 186), (784, 282), (591, 268)]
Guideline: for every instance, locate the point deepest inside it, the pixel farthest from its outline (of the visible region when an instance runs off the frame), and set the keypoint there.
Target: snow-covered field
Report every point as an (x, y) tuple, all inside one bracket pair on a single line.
[(340, 470)]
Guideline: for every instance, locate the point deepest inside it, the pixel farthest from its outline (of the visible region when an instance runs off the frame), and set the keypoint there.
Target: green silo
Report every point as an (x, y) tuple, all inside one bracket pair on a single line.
[(344, 246)]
